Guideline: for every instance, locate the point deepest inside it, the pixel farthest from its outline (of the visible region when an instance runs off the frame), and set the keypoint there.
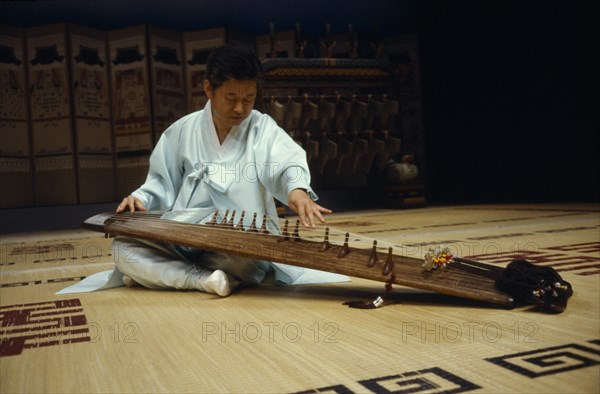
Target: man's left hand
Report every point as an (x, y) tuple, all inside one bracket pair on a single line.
[(306, 208)]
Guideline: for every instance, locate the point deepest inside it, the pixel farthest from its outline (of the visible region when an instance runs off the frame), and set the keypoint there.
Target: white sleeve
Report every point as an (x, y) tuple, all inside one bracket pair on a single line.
[(165, 175), (284, 168)]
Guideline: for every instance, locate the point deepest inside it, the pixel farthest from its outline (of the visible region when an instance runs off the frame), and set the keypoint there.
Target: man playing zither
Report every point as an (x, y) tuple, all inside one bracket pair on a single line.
[(224, 157)]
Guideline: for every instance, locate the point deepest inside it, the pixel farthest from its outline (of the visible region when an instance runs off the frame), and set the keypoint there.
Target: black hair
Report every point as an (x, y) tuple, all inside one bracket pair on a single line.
[(232, 61)]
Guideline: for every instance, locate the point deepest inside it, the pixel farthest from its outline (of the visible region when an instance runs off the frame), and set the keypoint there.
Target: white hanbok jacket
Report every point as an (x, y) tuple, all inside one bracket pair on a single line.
[(189, 168)]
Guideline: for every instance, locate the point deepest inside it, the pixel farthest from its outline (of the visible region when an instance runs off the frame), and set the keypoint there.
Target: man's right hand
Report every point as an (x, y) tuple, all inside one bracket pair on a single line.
[(130, 203)]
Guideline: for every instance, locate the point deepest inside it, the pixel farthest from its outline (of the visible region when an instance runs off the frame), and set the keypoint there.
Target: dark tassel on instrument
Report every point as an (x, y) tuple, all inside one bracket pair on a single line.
[(533, 284)]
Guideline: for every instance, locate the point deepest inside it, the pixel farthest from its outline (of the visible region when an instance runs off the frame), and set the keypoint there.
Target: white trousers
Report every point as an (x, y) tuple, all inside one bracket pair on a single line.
[(161, 266)]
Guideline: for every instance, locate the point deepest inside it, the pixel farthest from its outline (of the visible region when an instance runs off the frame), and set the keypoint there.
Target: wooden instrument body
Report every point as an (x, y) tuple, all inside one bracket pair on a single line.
[(293, 250)]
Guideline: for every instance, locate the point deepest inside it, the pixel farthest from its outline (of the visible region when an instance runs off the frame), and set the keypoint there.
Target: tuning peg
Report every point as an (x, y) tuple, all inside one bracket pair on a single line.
[(345, 249), (285, 235), (373, 257), (389, 263), (263, 227), (252, 228), (325, 245)]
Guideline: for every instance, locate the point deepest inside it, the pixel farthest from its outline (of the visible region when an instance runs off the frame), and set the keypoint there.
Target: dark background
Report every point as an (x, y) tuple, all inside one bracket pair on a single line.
[(511, 99), (510, 88)]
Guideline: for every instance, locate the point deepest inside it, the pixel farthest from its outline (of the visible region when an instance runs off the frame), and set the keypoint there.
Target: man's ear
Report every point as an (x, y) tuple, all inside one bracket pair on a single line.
[(208, 90)]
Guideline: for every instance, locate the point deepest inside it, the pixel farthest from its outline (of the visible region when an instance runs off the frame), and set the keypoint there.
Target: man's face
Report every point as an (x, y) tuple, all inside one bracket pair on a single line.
[(231, 102)]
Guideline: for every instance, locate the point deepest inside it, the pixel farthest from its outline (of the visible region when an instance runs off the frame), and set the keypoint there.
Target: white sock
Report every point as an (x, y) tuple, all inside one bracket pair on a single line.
[(217, 282)]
